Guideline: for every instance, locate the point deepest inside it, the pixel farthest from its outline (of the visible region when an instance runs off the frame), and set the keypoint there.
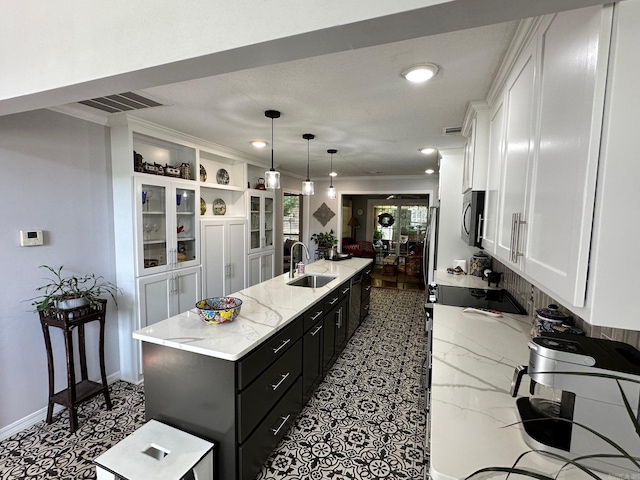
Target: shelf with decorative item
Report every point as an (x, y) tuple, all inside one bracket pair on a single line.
[(220, 171), (154, 156)]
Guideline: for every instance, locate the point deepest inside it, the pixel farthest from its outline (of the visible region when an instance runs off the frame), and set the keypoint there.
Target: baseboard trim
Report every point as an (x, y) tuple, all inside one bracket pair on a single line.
[(40, 415)]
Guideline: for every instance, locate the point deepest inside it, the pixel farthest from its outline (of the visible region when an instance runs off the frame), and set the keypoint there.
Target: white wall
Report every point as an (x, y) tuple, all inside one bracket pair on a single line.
[(54, 177), (450, 245)]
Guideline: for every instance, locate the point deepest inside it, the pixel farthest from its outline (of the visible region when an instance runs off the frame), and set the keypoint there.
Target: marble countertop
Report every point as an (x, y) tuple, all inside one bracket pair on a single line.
[(474, 357), (266, 308)]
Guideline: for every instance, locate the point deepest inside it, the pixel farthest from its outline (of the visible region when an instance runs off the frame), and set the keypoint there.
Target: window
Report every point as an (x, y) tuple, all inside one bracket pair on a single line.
[(292, 216)]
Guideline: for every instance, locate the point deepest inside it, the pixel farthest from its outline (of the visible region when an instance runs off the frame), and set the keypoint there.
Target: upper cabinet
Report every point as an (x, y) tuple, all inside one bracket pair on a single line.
[(261, 221), (544, 139), (166, 225), (475, 129)]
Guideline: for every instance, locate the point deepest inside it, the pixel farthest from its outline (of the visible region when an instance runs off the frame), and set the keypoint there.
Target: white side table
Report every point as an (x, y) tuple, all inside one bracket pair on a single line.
[(157, 451)]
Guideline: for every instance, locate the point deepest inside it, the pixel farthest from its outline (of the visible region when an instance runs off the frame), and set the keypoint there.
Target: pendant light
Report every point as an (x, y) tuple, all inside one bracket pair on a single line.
[(307, 185), (331, 191), (272, 177)]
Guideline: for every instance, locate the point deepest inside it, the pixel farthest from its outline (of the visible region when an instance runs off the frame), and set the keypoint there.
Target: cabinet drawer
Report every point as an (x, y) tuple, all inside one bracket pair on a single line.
[(254, 402), (344, 289), (259, 446), (331, 300), (257, 361), (312, 315), (366, 288)]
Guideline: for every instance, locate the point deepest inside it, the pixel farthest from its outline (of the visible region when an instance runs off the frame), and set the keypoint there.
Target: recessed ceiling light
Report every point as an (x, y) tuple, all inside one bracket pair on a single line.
[(333, 174), (427, 150), (259, 143), (429, 171), (420, 73)]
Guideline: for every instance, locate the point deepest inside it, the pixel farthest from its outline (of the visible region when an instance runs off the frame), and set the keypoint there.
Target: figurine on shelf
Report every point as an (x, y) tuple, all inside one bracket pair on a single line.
[(138, 162), (260, 185)]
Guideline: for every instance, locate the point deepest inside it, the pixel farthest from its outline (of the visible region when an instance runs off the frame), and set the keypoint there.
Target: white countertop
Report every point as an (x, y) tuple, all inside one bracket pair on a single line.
[(442, 277), (266, 308), (474, 357)]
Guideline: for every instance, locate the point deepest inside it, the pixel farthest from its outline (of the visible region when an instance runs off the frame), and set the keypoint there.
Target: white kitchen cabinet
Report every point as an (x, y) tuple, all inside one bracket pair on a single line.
[(573, 63), (224, 256), (553, 103), (492, 195), (261, 221), (475, 128), (260, 267), (519, 105), (167, 227), (164, 295)]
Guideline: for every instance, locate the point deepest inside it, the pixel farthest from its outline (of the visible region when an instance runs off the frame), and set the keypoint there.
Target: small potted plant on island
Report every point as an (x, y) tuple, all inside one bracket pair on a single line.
[(325, 242), (66, 292)]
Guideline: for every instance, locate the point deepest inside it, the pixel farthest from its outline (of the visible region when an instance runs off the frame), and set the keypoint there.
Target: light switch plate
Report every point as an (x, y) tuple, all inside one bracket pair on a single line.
[(30, 238)]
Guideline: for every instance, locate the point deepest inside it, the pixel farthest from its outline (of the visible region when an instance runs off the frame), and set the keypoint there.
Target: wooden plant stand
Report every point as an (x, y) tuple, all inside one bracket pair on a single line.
[(76, 392)]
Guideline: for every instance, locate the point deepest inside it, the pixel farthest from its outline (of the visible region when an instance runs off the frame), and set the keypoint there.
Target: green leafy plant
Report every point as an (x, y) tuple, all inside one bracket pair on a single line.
[(88, 287), (325, 241), (377, 235)]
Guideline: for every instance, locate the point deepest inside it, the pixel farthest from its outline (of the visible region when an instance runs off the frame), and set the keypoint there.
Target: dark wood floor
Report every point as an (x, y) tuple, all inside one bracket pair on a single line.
[(400, 280)]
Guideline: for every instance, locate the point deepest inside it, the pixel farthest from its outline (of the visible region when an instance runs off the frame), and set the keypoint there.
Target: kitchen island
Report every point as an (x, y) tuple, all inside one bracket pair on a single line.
[(242, 384), (473, 416)]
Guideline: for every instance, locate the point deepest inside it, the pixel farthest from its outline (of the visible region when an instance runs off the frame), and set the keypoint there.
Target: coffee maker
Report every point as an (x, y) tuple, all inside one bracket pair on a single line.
[(572, 387)]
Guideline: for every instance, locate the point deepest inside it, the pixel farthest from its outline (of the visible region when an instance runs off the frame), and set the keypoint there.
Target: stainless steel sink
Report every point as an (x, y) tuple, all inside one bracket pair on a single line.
[(312, 281)]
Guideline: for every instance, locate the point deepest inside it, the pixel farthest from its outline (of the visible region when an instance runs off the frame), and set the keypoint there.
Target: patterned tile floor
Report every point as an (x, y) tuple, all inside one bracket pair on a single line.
[(365, 421)]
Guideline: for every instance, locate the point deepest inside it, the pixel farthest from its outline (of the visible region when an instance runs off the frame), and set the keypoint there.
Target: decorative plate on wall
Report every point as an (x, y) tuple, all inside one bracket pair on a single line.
[(219, 207), (222, 177), (203, 173), (203, 206)]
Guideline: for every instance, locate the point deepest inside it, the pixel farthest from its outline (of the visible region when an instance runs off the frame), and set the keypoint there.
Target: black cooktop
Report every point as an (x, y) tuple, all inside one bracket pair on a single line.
[(479, 298)]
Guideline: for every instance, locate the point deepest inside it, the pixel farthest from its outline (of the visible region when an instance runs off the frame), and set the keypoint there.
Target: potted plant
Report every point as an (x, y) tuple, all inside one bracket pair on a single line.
[(325, 242), (72, 291)]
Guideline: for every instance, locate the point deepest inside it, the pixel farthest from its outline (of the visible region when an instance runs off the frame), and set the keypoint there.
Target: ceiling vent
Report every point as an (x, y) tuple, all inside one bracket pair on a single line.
[(121, 102), (448, 131)]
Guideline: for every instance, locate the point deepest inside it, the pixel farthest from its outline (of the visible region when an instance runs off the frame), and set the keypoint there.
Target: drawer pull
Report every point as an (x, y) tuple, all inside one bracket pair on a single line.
[(318, 328), (333, 301), (346, 290), (276, 350), (284, 421), (284, 377), (316, 315), (367, 288)]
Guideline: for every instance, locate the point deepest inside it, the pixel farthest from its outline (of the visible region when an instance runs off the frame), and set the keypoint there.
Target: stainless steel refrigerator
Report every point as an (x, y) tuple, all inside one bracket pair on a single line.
[(430, 249)]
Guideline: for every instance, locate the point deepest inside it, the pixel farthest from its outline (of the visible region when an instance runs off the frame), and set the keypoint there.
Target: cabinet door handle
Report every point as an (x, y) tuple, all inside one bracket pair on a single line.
[(334, 300), (367, 288), (367, 272), (276, 350), (282, 379), (339, 316), (284, 421), (519, 224), (318, 328), (513, 238), (316, 315), (479, 235)]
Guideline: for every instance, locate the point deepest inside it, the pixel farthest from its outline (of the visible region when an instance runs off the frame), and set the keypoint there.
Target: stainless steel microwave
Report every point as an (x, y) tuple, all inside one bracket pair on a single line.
[(472, 211)]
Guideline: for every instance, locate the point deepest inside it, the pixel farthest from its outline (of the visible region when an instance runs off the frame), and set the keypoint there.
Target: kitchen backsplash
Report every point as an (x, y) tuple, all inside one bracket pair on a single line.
[(532, 298)]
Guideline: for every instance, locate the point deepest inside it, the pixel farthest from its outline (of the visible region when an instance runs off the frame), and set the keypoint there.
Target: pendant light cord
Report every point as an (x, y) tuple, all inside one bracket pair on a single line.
[(272, 143), (308, 139), (331, 170)]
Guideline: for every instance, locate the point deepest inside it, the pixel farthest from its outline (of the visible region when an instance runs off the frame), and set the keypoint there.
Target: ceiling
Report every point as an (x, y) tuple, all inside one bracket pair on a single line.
[(354, 101)]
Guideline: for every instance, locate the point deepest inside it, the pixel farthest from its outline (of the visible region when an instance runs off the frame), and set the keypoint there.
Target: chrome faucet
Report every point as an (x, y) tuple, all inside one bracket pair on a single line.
[(293, 267)]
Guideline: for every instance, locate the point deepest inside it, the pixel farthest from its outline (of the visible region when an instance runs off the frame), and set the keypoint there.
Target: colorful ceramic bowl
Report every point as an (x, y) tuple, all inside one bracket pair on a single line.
[(219, 309)]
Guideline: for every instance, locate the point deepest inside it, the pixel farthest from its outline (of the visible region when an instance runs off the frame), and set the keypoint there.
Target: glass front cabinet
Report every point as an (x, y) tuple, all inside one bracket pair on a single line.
[(167, 225), (261, 221)]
